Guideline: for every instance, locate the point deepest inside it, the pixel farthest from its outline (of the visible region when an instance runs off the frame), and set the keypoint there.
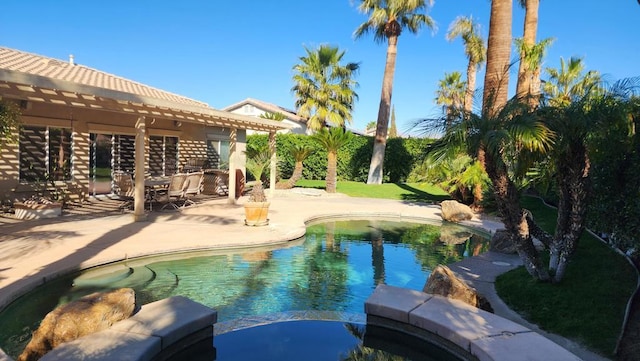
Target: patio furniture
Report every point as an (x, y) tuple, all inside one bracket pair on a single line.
[(193, 187), (175, 190), (155, 188), (124, 189)]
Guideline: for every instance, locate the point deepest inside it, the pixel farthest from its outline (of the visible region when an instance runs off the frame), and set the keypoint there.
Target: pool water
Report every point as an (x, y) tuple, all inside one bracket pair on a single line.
[(335, 268)]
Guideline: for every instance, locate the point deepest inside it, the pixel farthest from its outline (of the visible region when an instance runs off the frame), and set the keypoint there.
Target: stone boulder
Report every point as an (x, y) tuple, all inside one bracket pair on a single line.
[(444, 282), (454, 211), (501, 242), (89, 314)]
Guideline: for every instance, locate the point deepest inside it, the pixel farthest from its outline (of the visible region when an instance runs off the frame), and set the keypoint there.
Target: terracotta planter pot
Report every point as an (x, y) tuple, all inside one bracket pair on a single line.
[(37, 210), (256, 213)]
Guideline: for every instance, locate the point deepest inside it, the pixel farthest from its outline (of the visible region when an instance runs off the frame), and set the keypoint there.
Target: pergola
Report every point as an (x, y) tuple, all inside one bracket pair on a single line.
[(37, 88)]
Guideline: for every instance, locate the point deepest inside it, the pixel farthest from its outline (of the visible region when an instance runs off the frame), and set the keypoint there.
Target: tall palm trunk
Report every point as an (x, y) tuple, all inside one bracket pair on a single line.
[(332, 166), (471, 86), (496, 78), (572, 208), (524, 86), (382, 125)]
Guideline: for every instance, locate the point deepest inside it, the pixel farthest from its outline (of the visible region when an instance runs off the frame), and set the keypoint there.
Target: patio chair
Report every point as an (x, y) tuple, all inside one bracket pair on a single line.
[(123, 188), (193, 187), (175, 190)]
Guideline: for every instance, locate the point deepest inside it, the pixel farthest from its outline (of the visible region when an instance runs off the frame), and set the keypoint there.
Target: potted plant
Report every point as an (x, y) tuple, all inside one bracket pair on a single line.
[(46, 203), (256, 208)]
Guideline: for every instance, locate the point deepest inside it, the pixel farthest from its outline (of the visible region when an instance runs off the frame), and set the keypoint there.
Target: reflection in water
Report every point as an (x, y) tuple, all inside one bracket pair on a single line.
[(334, 268)]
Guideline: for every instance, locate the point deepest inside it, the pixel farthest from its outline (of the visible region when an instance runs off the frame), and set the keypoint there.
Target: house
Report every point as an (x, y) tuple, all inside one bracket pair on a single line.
[(256, 108), (76, 121)]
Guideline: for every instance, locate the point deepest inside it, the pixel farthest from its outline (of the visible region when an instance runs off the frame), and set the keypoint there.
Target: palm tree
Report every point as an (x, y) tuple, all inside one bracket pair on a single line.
[(450, 94), (532, 57), (324, 88), (387, 20), (300, 152), (511, 139), (277, 116), (569, 83), (525, 72), (475, 50), (496, 78), (332, 139)]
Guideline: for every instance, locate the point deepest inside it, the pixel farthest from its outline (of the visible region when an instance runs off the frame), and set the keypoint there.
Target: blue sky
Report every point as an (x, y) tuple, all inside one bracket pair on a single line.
[(221, 52)]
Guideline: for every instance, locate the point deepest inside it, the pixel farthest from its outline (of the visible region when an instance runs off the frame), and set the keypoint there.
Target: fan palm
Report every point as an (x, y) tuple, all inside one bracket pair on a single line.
[(531, 56), (300, 152), (450, 94), (277, 116), (387, 20), (474, 48), (332, 140), (324, 88), (569, 83)]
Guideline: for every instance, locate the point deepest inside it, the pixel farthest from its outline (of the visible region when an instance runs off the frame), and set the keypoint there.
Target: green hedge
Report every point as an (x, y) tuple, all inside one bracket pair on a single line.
[(353, 159)]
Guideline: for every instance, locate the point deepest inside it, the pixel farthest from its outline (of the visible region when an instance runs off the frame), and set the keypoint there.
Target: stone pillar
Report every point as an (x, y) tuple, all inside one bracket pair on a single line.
[(233, 142), (138, 205)]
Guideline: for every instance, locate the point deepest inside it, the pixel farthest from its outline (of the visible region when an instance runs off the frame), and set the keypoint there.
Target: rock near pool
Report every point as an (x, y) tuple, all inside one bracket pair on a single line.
[(444, 282), (454, 211), (89, 314)]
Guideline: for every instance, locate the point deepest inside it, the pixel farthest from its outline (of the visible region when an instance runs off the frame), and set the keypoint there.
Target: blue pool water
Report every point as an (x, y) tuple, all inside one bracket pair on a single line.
[(335, 268)]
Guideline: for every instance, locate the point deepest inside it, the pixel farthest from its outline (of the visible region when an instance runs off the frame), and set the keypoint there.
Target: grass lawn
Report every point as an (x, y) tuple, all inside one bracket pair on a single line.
[(588, 306), (417, 192)]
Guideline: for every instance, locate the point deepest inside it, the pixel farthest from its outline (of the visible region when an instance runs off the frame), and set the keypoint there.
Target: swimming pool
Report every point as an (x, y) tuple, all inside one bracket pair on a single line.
[(334, 268)]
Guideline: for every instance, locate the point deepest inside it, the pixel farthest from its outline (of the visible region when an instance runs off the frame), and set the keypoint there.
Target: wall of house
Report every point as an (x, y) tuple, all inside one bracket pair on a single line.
[(83, 122), (253, 111)]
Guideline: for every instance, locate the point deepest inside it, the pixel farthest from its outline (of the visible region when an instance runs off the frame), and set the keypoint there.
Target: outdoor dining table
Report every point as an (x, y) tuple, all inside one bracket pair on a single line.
[(153, 186)]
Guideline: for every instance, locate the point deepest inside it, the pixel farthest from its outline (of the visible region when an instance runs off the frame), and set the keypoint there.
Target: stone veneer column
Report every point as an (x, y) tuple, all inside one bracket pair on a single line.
[(233, 141), (138, 205), (272, 173)]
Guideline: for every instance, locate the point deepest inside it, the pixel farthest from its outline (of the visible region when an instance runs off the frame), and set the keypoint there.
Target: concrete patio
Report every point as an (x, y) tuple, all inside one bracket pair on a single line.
[(32, 252)]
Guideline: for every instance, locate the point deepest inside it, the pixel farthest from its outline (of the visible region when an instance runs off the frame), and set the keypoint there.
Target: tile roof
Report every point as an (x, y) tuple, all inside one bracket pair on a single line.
[(20, 61), (290, 114)]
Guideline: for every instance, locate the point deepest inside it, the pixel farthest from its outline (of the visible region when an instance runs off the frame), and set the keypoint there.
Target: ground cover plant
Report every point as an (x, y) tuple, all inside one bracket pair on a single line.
[(588, 306)]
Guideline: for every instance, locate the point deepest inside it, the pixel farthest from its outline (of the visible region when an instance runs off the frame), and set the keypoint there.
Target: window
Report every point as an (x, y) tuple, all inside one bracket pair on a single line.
[(163, 155), (45, 152), (218, 153)]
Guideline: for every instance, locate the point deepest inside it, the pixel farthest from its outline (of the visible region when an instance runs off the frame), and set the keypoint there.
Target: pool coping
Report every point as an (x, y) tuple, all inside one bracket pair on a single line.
[(485, 336)]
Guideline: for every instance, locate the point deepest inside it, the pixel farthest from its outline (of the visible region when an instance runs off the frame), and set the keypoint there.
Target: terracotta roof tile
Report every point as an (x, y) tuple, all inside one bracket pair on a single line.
[(16, 60)]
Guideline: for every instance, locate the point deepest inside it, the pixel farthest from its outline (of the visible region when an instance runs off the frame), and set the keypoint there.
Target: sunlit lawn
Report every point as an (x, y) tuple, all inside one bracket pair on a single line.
[(419, 192)]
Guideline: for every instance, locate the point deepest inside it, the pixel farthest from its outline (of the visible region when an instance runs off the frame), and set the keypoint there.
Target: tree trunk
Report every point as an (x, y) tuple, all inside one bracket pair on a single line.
[(332, 166), (523, 88), (295, 177), (382, 126), (471, 87), (572, 208), (496, 79), (514, 218)]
